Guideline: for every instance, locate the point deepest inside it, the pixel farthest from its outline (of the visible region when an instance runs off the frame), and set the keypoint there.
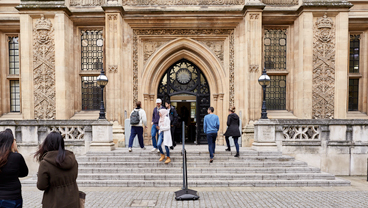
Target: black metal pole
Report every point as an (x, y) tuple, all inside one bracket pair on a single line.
[(264, 109), (102, 107), (184, 158)]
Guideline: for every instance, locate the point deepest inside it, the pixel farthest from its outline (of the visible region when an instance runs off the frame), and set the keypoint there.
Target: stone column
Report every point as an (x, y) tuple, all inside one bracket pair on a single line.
[(102, 138), (220, 112)]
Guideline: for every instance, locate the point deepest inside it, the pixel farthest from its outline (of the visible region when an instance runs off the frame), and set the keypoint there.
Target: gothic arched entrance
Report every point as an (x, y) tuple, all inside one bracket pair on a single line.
[(185, 79)]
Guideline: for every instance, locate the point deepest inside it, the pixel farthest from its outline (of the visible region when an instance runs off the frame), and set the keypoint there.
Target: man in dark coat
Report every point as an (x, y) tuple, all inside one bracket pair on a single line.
[(173, 115)]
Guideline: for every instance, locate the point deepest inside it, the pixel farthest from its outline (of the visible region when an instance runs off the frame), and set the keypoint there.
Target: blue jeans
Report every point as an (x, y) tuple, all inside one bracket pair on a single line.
[(154, 132), (160, 140), (18, 203), (211, 139), (136, 130), (236, 144)]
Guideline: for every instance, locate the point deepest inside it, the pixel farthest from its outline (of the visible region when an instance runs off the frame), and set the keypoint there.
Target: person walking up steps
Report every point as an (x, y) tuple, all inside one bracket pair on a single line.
[(155, 119), (138, 119), (232, 130), (164, 135), (211, 125)]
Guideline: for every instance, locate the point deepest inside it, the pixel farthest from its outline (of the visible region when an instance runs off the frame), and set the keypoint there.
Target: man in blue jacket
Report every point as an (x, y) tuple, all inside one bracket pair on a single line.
[(211, 125)]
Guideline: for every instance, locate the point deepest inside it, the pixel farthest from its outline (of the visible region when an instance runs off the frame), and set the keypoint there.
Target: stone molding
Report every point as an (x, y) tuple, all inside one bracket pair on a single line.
[(44, 69), (253, 68), (254, 16), (181, 2), (323, 84), (216, 47), (86, 2), (150, 47), (113, 68)]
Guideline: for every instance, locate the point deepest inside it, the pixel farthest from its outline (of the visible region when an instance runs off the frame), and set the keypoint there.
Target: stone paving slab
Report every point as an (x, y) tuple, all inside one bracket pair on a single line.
[(354, 196)]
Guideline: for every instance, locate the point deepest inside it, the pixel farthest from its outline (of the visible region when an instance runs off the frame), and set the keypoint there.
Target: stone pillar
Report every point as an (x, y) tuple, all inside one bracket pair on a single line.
[(220, 112), (26, 76), (102, 138), (65, 81), (147, 131), (264, 135)]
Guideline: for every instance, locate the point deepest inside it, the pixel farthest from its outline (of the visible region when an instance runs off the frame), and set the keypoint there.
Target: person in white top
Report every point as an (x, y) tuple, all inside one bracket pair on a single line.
[(164, 134), (137, 127)]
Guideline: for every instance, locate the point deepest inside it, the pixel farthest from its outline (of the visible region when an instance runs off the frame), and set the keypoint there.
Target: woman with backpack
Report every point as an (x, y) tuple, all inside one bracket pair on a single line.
[(12, 166), (138, 119), (232, 130), (164, 135), (57, 174)]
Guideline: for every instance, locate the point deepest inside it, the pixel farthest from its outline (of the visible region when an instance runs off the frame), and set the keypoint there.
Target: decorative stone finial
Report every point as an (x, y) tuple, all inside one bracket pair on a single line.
[(43, 24)]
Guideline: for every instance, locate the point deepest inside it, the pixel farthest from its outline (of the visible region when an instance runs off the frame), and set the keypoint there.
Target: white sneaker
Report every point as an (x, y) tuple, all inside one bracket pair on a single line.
[(144, 148), (130, 149), (158, 151), (153, 150)]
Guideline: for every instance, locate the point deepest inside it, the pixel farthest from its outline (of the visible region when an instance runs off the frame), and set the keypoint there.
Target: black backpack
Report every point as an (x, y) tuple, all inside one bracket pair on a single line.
[(134, 118)]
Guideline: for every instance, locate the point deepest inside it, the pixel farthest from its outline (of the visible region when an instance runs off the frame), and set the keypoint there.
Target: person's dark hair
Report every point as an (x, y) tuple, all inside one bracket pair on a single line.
[(53, 141), (6, 142), (232, 109), (211, 109), (138, 104), (168, 102)]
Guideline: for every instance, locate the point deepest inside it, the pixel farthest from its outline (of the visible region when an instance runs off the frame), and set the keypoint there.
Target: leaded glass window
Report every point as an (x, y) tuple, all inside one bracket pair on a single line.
[(276, 93), (353, 94), (91, 93), (275, 49), (13, 55), (14, 96), (92, 49), (354, 53)]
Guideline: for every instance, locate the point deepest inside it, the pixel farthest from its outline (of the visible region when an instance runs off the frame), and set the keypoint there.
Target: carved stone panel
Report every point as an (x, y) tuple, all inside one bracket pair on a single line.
[(44, 69), (150, 47), (216, 47), (323, 68)]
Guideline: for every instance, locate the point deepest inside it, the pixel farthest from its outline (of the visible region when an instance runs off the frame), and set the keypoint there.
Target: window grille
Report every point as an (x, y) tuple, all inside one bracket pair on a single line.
[(276, 93), (92, 49), (353, 94), (14, 96), (275, 49), (91, 94), (13, 55), (354, 53)]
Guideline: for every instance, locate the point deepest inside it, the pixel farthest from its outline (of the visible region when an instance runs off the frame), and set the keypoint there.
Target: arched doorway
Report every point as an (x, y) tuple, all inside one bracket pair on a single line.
[(185, 83)]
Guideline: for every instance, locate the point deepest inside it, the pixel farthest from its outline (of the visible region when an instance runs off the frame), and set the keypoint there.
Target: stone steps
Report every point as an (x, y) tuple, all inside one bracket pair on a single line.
[(200, 176), (210, 170), (178, 158), (141, 168)]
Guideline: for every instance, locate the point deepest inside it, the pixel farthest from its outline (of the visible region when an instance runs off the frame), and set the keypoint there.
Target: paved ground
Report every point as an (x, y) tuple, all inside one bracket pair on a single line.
[(289, 197)]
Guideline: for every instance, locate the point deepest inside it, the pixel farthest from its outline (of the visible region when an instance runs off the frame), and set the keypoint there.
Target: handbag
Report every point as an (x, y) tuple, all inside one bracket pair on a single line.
[(82, 199)]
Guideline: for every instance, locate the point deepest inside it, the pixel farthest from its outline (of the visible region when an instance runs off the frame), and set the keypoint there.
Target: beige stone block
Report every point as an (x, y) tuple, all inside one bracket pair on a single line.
[(329, 161), (359, 161), (360, 133), (338, 132)]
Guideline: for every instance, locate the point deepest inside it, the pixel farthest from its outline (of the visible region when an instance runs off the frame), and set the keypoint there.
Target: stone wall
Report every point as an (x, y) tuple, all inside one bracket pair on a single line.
[(337, 146)]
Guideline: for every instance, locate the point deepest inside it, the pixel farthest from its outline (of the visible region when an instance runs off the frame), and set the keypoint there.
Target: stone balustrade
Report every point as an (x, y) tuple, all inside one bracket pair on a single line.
[(338, 146), (179, 2)]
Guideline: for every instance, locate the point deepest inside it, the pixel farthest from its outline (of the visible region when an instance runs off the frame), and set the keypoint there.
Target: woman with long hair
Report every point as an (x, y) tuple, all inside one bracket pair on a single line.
[(57, 174), (164, 135), (232, 130), (12, 166)]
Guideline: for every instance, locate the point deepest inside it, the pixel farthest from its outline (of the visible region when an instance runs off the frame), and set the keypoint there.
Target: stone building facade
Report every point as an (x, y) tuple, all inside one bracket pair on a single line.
[(315, 52)]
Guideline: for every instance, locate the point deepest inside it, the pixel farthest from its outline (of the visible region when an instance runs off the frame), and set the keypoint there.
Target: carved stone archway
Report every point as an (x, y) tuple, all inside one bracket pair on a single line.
[(198, 54)]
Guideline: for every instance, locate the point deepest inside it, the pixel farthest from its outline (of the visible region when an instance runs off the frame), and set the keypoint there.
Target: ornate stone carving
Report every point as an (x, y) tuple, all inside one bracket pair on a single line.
[(112, 16), (301, 132), (181, 2), (113, 68), (182, 32), (69, 132), (231, 69), (216, 47), (323, 68), (151, 47), (86, 2), (254, 16), (44, 69), (253, 68)]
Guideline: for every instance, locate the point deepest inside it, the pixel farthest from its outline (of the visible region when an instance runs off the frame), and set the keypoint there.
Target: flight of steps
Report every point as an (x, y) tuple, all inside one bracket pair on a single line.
[(142, 168)]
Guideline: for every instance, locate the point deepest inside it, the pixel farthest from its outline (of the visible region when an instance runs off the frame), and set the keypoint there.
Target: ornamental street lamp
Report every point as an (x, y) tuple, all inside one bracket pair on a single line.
[(102, 82), (264, 80)]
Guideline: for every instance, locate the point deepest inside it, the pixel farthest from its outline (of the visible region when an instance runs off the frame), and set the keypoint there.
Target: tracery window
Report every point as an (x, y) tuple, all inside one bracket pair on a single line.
[(354, 72), (14, 96), (276, 93), (92, 49), (354, 53), (13, 55), (275, 49), (91, 93), (353, 94)]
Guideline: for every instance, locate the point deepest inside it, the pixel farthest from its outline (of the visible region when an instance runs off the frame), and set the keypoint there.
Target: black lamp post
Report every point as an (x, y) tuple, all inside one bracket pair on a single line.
[(264, 80), (102, 82)]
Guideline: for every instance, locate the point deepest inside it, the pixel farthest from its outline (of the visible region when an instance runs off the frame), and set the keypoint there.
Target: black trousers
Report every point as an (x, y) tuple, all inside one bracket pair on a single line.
[(172, 130)]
